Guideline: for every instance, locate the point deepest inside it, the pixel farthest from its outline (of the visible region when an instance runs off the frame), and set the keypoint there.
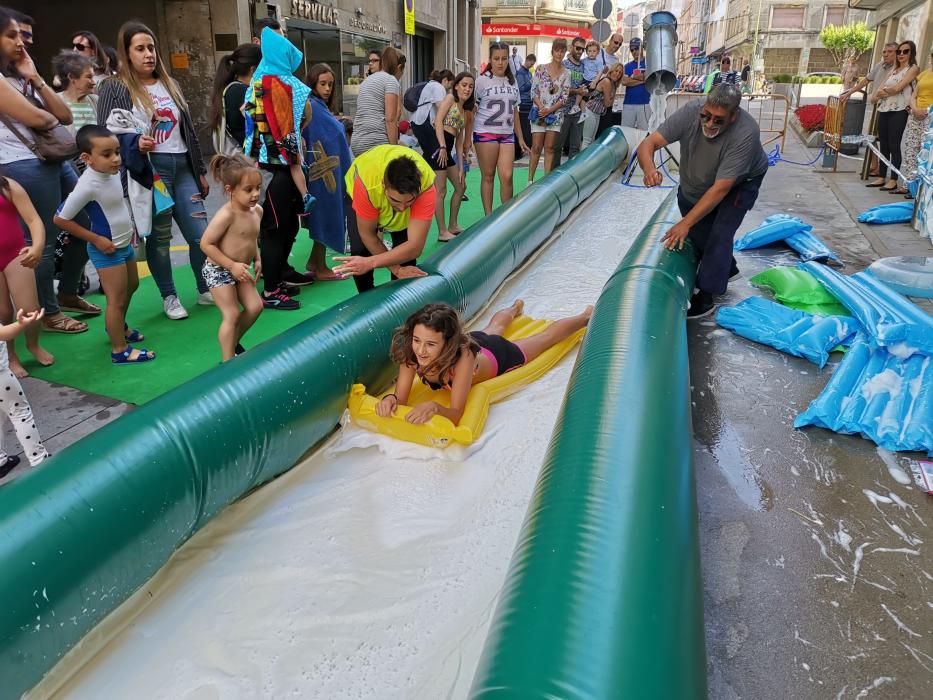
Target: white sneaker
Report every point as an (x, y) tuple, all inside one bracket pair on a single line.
[(206, 299), (173, 308)]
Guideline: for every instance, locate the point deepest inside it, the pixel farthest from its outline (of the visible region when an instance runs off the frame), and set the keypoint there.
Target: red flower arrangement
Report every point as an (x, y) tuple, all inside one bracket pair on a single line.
[(811, 116)]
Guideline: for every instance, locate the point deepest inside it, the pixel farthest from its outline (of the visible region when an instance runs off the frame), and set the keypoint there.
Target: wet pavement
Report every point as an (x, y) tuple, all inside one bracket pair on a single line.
[(818, 578)]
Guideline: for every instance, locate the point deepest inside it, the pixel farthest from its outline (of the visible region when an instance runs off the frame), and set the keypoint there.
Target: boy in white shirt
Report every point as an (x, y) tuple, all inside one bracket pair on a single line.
[(109, 240)]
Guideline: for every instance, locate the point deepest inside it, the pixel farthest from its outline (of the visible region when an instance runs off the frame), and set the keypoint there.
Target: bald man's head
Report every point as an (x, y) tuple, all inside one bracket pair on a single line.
[(615, 41)]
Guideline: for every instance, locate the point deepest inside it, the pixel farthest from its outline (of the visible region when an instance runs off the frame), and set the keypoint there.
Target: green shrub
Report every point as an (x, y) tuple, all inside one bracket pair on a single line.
[(782, 78)]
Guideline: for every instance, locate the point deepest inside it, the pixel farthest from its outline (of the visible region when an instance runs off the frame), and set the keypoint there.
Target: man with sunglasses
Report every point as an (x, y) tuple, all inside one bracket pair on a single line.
[(722, 165), (571, 128), (635, 110)]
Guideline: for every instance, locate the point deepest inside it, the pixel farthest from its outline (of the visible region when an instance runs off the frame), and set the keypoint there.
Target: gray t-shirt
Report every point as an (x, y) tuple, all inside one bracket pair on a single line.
[(876, 76), (734, 154), (369, 122)]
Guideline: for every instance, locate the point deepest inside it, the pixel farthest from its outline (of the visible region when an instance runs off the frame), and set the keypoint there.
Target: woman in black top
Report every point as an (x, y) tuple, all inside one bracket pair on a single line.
[(229, 92)]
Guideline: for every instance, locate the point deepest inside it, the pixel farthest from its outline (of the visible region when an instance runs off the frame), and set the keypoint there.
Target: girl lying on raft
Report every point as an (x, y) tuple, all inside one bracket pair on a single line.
[(433, 346)]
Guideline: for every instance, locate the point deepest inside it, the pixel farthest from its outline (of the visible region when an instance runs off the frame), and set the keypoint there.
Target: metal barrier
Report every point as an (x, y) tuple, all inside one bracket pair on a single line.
[(832, 126), (769, 110)]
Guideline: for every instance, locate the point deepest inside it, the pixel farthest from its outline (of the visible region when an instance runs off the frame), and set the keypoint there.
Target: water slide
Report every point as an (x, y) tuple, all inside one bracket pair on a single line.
[(372, 568)]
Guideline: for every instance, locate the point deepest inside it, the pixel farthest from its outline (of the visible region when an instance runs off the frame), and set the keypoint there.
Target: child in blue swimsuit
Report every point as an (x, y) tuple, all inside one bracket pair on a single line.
[(433, 346)]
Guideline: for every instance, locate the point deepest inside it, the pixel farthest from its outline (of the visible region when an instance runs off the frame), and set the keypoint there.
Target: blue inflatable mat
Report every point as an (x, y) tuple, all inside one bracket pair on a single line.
[(874, 393), (789, 330), (907, 275), (793, 231), (896, 213), (889, 319)]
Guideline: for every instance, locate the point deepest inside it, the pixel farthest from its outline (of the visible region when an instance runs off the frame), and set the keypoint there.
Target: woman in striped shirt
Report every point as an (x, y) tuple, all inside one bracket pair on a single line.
[(75, 74)]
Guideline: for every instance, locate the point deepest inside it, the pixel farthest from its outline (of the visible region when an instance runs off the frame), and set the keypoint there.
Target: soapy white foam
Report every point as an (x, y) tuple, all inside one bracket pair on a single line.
[(894, 469), (887, 381), (373, 568), (901, 350)]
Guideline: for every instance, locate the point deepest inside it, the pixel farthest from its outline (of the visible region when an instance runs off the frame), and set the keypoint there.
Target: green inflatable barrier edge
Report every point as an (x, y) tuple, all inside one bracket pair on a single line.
[(603, 597), (80, 535)]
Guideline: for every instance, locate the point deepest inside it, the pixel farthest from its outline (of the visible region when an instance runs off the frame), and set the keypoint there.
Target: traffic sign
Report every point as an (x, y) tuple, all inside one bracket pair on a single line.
[(601, 30), (602, 9)]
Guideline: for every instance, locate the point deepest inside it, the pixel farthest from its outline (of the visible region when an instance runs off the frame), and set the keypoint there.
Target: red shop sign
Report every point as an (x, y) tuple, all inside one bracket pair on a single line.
[(535, 30)]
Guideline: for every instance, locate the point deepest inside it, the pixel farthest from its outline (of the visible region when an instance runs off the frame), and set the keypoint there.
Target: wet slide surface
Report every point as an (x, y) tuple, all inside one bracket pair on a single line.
[(372, 569)]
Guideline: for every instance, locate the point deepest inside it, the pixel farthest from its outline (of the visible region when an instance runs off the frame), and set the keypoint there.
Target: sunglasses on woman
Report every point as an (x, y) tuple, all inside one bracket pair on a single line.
[(903, 52), (81, 47)]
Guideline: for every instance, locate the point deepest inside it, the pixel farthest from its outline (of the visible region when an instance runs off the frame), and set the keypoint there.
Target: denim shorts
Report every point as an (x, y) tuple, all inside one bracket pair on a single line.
[(120, 256)]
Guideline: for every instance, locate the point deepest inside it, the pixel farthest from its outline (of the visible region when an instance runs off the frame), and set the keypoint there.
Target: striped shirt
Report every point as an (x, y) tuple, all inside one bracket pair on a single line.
[(83, 112), (369, 122)]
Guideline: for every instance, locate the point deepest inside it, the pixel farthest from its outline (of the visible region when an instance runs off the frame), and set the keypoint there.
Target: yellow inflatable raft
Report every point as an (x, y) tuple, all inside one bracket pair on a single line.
[(440, 431)]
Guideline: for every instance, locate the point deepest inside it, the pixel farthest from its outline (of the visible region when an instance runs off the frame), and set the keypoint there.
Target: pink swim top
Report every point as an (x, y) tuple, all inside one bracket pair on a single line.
[(11, 233)]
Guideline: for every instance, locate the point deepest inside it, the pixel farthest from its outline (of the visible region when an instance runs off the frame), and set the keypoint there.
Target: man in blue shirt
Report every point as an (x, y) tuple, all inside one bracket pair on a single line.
[(523, 79), (571, 128), (635, 110)]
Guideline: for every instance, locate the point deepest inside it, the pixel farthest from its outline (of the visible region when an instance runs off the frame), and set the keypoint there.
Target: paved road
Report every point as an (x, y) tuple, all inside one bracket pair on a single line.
[(818, 583)]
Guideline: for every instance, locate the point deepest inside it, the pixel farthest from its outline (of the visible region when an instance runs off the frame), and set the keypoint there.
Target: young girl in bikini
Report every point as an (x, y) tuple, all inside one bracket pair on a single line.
[(433, 346), (230, 244)]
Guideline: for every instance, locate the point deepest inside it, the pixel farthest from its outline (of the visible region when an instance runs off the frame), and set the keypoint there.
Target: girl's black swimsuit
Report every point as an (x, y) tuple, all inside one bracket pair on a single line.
[(504, 355)]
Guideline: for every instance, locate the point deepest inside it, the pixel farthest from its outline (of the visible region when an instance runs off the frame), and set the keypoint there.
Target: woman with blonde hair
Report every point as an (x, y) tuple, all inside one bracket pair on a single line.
[(144, 87)]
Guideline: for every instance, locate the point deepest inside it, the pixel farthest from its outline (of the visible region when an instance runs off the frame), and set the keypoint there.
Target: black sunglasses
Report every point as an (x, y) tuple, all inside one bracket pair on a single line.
[(81, 47), (902, 52), (707, 117)]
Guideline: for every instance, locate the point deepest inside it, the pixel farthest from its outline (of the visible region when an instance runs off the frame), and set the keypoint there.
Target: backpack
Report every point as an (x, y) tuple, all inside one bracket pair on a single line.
[(411, 100)]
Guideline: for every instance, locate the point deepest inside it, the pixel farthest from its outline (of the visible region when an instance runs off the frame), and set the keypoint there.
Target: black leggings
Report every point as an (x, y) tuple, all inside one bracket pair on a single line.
[(279, 226), (365, 282), (891, 127)]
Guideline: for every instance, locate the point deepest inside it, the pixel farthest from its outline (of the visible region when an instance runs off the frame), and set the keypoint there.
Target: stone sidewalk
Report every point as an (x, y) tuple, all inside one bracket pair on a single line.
[(64, 415)]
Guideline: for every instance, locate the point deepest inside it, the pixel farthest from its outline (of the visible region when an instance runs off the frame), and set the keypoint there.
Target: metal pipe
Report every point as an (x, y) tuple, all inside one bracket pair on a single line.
[(660, 48)]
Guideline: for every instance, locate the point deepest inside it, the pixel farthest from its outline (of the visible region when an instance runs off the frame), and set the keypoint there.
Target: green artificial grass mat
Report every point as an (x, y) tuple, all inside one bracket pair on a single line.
[(185, 349)]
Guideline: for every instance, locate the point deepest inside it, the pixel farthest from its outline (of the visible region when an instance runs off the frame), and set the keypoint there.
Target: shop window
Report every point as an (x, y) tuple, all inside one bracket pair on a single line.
[(354, 51), (787, 17)]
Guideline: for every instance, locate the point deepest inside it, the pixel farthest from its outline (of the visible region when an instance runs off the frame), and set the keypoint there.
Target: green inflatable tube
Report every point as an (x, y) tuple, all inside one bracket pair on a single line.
[(603, 598), (82, 534)]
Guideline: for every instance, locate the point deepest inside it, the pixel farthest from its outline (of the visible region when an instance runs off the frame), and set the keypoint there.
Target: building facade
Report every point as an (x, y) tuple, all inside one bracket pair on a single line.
[(532, 25), (194, 34), (775, 36), (900, 20)]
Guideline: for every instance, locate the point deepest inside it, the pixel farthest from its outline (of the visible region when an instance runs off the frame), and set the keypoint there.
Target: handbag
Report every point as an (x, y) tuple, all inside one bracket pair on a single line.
[(222, 139), (49, 145)]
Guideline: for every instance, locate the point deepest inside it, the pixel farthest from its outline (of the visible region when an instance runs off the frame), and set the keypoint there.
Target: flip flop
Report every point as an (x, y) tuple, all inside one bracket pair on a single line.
[(875, 184), (123, 358)]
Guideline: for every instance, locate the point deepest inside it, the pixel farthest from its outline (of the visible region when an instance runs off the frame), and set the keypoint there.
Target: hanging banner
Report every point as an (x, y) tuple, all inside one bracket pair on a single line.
[(409, 16)]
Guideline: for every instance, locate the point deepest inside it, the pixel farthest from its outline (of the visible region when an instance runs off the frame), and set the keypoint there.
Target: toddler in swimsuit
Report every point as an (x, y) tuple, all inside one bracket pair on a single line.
[(433, 346), (230, 246)]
